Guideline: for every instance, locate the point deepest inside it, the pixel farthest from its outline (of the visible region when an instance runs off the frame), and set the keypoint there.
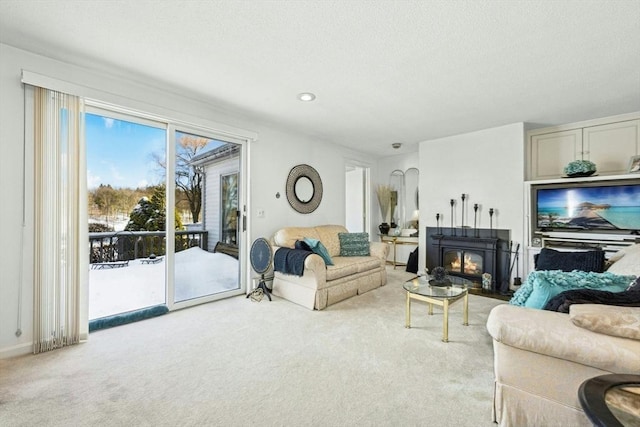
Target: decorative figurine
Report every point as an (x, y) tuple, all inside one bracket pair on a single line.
[(439, 277), (486, 281)]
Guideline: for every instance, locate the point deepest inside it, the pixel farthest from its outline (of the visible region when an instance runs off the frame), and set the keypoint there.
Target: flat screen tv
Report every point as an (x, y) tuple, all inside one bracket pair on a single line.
[(596, 206)]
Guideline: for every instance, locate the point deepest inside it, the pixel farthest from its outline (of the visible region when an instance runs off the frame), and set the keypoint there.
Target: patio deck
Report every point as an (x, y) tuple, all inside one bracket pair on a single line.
[(139, 285)]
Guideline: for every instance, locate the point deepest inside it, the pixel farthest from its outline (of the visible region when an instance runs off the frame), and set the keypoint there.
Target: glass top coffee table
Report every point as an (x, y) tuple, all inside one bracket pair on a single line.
[(443, 296)]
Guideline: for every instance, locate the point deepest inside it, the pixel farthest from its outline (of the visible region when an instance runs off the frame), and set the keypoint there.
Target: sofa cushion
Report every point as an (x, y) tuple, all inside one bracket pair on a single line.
[(550, 259), (318, 248), (341, 267), (346, 266), (365, 263), (302, 245), (354, 244), (541, 286), (621, 322)]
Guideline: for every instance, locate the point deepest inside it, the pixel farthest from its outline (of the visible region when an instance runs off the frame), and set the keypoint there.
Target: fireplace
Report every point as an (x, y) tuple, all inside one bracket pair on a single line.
[(469, 253)]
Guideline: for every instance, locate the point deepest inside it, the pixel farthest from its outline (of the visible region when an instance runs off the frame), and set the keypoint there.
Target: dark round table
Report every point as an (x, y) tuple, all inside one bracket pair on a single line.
[(611, 400)]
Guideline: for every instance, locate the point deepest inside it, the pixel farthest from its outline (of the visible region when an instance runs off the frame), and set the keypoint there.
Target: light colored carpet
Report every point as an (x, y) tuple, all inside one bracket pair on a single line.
[(237, 362)]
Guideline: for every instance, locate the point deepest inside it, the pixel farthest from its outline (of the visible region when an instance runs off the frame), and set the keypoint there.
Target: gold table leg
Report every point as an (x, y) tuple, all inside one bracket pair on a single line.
[(407, 320), (466, 309), (444, 303), (394, 254), (445, 325)]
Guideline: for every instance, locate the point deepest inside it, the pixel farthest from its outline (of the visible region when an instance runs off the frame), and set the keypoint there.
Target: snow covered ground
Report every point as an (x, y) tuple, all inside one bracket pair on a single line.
[(197, 273)]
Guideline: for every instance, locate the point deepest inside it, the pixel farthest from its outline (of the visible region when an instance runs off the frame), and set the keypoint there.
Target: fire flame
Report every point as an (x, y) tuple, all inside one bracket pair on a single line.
[(470, 267)]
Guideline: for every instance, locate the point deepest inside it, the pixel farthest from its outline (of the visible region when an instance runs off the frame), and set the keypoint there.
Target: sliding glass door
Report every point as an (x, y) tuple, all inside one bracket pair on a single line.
[(163, 214), (206, 200)]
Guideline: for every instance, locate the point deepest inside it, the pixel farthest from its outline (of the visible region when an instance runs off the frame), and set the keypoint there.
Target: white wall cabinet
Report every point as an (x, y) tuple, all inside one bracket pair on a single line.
[(551, 152), (609, 143), (611, 146)]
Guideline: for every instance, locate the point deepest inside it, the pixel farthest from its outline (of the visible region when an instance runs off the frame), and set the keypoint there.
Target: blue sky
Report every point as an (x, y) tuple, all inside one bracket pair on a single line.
[(627, 195), (119, 153)]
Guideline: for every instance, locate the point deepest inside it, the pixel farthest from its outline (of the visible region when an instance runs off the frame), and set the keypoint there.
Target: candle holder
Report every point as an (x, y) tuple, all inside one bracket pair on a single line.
[(453, 231), (464, 232), (491, 220), (475, 218), (438, 223)]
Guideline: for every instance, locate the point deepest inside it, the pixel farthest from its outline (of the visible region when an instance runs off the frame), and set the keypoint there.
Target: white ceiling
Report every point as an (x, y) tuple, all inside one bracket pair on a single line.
[(383, 71)]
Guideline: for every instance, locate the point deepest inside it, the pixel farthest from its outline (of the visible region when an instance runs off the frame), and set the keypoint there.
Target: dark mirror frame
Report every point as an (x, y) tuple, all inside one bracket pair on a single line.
[(304, 171)]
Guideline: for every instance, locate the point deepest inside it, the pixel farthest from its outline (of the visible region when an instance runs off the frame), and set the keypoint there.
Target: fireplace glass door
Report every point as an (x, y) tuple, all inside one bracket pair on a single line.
[(465, 262)]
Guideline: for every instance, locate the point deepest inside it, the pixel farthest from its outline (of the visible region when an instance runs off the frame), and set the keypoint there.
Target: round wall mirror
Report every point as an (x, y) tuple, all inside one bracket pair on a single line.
[(304, 189)]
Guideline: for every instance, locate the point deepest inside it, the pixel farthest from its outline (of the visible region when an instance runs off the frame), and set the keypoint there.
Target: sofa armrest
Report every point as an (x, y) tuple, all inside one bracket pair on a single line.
[(315, 263), (553, 334), (379, 250)]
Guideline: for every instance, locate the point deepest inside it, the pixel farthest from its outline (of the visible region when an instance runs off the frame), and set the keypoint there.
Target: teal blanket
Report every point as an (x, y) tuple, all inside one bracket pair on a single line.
[(543, 285)]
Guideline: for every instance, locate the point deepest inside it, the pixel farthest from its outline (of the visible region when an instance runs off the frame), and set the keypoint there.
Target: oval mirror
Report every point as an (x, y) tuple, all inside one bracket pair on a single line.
[(396, 208), (304, 189), (411, 179)]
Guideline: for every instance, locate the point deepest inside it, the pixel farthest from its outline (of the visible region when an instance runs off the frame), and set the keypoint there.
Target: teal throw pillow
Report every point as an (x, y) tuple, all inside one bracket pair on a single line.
[(354, 244), (318, 248), (541, 286)]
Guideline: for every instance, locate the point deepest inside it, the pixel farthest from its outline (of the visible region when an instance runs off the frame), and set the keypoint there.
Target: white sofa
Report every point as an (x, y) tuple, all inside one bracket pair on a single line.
[(541, 357), (322, 285)]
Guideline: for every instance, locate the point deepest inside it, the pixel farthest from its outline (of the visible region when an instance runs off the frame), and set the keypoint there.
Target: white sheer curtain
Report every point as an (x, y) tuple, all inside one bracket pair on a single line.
[(60, 232)]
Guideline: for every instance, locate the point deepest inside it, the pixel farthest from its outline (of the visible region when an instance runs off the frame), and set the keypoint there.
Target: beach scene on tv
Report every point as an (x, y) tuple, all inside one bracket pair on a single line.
[(590, 208)]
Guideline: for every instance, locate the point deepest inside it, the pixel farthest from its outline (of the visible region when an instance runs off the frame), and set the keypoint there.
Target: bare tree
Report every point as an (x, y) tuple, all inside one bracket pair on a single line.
[(188, 176)]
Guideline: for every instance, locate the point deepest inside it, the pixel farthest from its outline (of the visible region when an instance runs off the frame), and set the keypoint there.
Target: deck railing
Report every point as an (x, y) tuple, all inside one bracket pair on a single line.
[(129, 245)]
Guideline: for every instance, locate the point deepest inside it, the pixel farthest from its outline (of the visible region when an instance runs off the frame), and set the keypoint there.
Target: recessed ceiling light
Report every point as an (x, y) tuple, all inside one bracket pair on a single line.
[(306, 96)]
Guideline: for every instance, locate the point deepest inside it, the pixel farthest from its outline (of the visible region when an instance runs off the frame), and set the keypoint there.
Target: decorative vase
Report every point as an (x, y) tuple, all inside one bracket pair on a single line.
[(384, 228)]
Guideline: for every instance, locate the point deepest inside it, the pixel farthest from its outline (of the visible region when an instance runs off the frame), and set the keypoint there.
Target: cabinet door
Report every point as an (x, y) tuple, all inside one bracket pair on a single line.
[(551, 152), (611, 146)]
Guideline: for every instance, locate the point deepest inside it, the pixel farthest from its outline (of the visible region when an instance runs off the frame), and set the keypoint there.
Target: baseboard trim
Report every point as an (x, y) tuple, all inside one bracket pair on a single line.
[(16, 350)]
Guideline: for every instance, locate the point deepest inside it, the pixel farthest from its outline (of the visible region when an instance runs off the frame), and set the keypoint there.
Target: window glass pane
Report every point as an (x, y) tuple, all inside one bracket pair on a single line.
[(126, 206), (206, 177)]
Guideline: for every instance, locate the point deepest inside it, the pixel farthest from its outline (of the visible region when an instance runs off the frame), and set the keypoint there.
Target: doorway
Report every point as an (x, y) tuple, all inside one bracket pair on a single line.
[(356, 197)]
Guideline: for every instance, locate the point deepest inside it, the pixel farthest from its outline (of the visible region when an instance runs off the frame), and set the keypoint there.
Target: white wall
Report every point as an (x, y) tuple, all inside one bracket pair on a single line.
[(271, 157), (487, 166)]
